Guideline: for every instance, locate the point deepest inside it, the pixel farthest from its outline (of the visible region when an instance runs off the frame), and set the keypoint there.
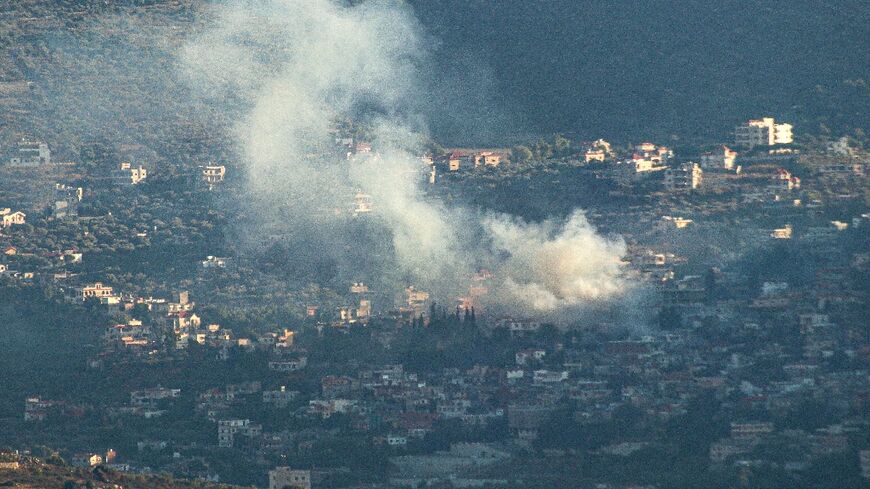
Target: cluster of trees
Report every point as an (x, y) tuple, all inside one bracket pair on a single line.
[(543, 149)]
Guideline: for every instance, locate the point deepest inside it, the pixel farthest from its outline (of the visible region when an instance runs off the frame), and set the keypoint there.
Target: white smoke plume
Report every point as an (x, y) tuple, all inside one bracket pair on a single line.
[(552, 266), (294, 67)]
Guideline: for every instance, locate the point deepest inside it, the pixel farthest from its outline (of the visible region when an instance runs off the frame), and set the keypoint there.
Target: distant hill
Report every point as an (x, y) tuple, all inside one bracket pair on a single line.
[(668, 70), (653, 68)]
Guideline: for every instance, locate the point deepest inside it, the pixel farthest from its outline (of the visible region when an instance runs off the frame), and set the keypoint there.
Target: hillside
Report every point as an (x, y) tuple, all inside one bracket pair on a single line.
[(35, 473), (78, 70), (74, 72), (653, 68)]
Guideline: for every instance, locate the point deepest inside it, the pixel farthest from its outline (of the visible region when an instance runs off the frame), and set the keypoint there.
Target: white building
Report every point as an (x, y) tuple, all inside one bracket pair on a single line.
[(762, 132), (363, 204), (598, 151), (669, 222), (97, 290), (646, 160), (214, 174), (519, 327), (782, 233), (127, 174), (750, 430), (214, 262), (9, 218), (282, 477)]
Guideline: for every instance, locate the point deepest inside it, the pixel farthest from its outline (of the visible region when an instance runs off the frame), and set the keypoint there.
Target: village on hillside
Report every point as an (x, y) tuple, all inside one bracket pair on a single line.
[(755, 250), (175, 304)]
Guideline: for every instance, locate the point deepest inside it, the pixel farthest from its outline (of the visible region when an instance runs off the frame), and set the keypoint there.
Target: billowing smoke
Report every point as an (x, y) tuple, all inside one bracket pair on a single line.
[(293, 69), (551, 266)]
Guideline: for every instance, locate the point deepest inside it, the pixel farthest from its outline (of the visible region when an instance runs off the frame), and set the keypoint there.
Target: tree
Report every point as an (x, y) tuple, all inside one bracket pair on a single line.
[(436, 149), (521, 154), (432, 309), (543, 150), (561, 144), (139, 311)]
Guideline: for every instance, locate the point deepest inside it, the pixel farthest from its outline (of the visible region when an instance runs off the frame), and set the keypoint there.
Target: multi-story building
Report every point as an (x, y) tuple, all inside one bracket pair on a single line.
[(31, 153), (66, 201), (784, 181), (721, 158), (684, 177), (36, 409), (762, 132), (646, 160), (228, 429)]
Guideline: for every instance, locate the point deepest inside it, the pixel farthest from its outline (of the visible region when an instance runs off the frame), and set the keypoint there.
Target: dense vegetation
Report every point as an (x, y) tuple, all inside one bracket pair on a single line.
[(672, 71), (652, 69)]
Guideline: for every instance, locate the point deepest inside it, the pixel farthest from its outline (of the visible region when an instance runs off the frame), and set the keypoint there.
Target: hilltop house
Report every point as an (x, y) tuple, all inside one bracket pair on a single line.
[(97, 290), (486, 158), (645, 161), (10, 218), (214, 262), (453, 161), (598, 150), (457, 160), (213, 175)]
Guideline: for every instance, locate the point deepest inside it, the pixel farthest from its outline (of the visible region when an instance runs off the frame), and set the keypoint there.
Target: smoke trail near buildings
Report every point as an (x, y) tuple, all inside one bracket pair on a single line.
[(294, 68), (551, 266)]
